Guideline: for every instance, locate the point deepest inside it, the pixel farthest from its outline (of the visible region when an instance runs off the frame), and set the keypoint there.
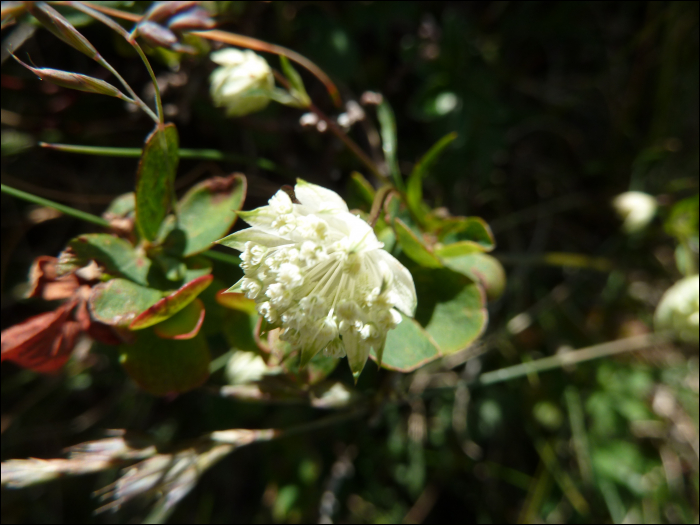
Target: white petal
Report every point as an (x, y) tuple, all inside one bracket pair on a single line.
[(237, 240), (402, 283), (319, 199)]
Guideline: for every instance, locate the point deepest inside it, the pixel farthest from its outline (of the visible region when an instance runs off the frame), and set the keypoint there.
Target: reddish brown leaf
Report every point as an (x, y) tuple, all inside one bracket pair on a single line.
[(44, 342), (98, 331), (44, 283)]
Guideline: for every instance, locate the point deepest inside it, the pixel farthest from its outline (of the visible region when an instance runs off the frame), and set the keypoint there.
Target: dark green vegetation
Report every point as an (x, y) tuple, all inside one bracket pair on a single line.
[(557, 107)]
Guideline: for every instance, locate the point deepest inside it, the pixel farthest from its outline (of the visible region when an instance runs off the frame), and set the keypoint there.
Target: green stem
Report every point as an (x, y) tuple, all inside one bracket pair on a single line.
[(569, 358), (82, 215), (201, 154)]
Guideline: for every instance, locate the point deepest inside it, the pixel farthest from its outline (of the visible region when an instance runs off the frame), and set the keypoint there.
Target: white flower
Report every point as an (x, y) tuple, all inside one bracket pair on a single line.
[(319, 272), (636, 209), (245, 367), (679, 309), (240, 83)]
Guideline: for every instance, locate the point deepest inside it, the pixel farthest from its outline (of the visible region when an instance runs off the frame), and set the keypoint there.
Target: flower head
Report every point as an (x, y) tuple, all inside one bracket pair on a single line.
[(240, 83), (679, 309), (319, 272)]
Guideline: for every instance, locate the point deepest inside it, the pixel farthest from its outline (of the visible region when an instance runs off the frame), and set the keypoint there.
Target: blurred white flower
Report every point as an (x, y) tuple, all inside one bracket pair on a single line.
[(245, 367), (679, 308), (320, 274), (240, 83), (636, 209)]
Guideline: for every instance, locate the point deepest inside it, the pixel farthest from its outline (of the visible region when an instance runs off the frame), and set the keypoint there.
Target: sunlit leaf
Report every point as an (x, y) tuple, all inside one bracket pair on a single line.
[(408, 347), (481, 268), (115, 255), (154, 179), (207, 212), (171, 304), (119, 301)]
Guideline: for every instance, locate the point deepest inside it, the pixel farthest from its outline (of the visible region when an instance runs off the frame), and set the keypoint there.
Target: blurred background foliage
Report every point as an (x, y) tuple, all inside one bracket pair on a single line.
[(558, 108)]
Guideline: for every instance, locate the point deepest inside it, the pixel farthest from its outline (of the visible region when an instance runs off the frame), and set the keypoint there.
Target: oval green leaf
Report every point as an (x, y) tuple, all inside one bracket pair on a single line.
[(115, 255), (207, 212), (119, 301), (483, 269), (408, 347), (154, 179), (161, 366), (171, 304)]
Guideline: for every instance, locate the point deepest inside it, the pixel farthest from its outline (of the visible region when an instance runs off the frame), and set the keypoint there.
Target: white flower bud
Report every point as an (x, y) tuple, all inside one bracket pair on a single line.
[(241, 83), (636, 209)]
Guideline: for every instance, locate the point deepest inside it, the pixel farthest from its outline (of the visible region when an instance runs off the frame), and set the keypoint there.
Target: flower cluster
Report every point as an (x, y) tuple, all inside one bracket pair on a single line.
[(319, 272), (241, 83)]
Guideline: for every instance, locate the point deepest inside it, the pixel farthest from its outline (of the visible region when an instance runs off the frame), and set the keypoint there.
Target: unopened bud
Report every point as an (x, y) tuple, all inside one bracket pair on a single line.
[(193, 20), (62, 28), (162, 10), (156, 35), (75, 81)]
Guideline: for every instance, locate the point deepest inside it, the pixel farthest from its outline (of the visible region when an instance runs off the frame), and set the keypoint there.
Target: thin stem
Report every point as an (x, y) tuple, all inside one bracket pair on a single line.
[(351, 144), (201, 154), (379, 200), (88, 10), (569, 358), (243, 41), (82, 215)]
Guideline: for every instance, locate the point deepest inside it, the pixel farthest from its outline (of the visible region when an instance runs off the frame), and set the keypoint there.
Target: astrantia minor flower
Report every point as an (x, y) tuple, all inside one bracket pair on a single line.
[(319, 272), (240, 83)]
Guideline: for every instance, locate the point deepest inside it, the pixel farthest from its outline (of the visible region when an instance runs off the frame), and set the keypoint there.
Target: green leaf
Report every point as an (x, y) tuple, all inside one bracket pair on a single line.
[(457, 249), (295, 81), (408, 347), (451, 308), (414, 189), (387, 125), (121, 206), (118, 301), (155, 178), (361, 192), (162, 366), (481, 268), (183, 325), (171, 304), (206, 213), (115, 255), (414, 247), (473, 229)]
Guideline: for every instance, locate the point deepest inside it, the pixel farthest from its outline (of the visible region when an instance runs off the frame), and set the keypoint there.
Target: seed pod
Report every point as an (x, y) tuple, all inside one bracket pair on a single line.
[(193, 20), (62, 28), (75, 81)]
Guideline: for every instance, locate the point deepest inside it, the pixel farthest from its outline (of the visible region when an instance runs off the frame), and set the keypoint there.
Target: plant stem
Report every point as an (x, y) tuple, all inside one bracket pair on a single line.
[(352, 146), (82, 215), (202, 154), (569, 358)]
